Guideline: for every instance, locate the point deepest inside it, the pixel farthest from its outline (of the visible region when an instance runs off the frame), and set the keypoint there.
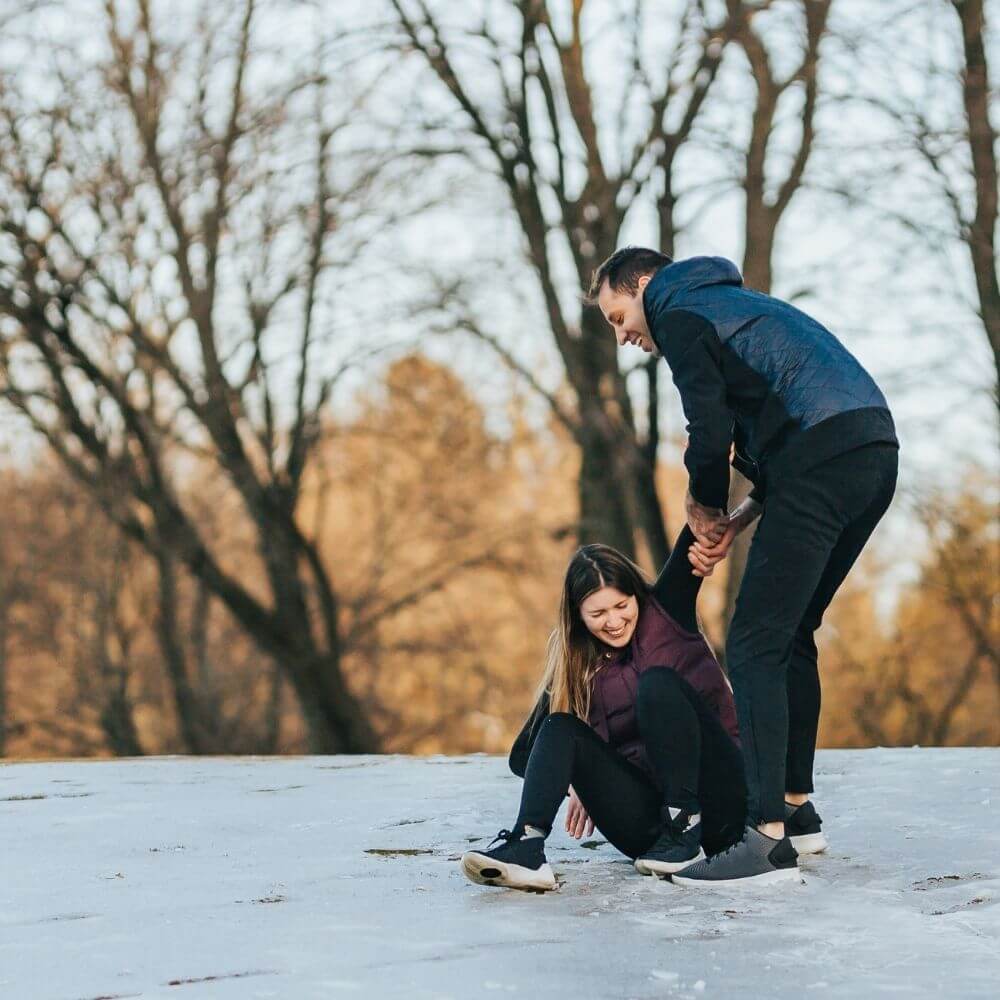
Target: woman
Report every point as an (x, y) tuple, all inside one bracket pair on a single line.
[(656, 766)]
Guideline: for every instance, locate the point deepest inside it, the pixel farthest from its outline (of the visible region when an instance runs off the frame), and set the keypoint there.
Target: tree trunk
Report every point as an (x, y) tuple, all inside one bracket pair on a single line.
[(4, 616), (117, 719), (756, 275), (604, 513), (194, 733), (982, 140)]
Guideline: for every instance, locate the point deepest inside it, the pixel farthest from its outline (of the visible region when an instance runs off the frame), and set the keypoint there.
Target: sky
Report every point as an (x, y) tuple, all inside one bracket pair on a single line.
[(898, 301)]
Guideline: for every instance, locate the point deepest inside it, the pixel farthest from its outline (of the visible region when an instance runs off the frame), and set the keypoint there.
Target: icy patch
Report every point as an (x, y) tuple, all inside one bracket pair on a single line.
[(305, 878)]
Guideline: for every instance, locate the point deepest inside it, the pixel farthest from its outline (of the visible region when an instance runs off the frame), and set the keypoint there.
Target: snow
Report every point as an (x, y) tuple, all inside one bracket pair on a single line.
[(247, 877)]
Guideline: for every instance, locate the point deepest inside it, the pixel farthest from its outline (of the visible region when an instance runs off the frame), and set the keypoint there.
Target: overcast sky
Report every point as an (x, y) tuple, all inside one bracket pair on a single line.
[(903, 308)]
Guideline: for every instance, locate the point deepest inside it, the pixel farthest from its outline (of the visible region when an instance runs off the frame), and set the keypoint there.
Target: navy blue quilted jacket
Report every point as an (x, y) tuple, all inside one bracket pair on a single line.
[(758, 372)]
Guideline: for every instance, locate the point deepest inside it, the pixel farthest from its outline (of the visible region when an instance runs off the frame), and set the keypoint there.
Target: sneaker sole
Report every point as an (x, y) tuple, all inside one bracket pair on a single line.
[(810, 843), (484, 870), (764, 878), (644, 867)]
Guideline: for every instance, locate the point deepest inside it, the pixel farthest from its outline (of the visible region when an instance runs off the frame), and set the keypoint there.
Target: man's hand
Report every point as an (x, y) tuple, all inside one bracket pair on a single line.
[(705, 557), (708, 523), (578, 822)]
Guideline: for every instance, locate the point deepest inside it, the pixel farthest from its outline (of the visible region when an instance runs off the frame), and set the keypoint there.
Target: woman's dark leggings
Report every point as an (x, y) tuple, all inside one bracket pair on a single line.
[(697, 764)]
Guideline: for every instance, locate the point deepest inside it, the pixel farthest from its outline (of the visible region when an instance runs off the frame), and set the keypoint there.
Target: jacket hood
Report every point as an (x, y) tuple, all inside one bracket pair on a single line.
[(686, 276)]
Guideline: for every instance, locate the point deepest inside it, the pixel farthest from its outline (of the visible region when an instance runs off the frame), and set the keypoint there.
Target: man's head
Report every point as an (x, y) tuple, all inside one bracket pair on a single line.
[(617, 290)]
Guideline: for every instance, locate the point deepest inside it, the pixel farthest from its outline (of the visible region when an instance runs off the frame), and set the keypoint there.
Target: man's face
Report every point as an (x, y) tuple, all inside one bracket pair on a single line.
[(625, 314)]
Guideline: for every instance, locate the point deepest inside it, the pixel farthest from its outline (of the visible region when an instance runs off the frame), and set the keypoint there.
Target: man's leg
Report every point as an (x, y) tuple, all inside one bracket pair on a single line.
[(878, 464), (788, 555)]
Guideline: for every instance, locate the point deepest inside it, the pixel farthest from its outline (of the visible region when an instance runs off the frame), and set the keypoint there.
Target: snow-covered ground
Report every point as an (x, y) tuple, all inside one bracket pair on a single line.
[(319, 877)]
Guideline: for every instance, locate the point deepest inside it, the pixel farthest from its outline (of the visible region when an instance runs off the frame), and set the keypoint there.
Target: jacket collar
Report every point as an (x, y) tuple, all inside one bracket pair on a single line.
[(670, 283)]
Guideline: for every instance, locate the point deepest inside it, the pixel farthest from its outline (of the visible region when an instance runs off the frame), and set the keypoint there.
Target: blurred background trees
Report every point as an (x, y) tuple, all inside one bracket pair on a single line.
[(303, 414)]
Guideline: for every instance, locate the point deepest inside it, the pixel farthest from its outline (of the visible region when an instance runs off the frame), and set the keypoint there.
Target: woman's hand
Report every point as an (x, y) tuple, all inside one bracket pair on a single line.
[(705, 557), (578, 822)]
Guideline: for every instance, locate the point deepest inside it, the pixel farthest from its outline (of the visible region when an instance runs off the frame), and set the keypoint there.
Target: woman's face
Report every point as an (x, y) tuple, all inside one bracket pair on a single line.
[(610, 615)]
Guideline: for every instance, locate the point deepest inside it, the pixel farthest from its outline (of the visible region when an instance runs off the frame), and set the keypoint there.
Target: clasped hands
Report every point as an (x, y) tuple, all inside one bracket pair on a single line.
[(714, 532)]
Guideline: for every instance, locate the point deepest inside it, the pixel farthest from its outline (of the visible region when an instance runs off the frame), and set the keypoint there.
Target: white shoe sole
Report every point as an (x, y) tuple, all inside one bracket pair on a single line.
[(810, 843), (485, 870), (644, 867), (765, 878)]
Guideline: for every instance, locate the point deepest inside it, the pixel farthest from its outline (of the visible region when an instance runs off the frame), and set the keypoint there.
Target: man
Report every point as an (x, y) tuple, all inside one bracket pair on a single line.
[(813, 433)]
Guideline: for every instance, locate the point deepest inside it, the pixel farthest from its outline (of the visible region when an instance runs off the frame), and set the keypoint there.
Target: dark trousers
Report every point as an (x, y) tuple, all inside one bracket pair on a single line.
[(813, 528), (697, 765)]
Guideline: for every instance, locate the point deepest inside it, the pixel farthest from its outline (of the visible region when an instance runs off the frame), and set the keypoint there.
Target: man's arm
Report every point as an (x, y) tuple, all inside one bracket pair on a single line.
[(691, 347)]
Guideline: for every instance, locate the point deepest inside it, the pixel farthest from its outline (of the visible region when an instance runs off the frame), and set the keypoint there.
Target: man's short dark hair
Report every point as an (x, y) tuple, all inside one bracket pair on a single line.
[(623, 269)]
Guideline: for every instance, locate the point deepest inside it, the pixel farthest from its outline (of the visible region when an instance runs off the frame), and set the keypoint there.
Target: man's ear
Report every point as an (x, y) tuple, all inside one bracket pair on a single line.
[(643, 281)]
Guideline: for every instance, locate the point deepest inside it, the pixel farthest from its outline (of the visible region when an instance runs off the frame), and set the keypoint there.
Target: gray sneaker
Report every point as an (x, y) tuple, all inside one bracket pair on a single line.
[(755, 860)]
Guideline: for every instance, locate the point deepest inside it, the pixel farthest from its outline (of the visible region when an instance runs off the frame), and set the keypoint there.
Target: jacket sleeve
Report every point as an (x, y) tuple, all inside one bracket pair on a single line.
[(521, 749), (691, 347), (676, 588)]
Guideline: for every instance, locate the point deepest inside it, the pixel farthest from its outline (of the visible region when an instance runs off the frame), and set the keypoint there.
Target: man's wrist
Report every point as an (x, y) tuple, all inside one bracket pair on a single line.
[(693, 504), (746, 513)]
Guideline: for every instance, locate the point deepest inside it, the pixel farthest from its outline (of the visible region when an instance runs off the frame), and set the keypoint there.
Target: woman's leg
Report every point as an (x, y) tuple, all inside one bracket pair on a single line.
[(671, 733), (696, 761), (621, 800)]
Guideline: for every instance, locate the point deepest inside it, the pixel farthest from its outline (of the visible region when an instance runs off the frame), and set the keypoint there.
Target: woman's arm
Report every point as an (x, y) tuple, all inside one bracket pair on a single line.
[(676, 588), (521, 750)]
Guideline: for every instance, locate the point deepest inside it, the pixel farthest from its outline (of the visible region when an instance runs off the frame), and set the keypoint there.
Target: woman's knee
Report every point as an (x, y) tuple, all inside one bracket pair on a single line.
[(657, 683), (562, 722)]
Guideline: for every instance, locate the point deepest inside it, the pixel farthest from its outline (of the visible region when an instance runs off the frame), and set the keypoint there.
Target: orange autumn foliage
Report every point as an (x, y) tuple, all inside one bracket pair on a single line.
[(446, 539)]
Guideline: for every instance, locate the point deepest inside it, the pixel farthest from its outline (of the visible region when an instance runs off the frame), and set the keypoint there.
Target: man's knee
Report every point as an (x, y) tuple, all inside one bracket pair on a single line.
[(757, 645)]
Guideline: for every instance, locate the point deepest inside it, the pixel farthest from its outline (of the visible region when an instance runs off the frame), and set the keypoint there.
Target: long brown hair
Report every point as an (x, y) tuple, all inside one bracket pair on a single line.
[(574, 653)]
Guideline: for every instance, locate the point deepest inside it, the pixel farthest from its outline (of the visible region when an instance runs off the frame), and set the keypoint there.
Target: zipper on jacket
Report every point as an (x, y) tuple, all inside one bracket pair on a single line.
[(748, 459)]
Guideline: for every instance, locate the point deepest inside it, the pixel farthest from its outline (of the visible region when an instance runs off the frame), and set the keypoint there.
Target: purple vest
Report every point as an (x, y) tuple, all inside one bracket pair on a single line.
[(658, 641)]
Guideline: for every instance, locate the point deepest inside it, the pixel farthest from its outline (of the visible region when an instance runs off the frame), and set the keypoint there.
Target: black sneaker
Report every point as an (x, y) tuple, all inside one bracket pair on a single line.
[(678, 845), (518, 863), (802, 828), (755, 860)]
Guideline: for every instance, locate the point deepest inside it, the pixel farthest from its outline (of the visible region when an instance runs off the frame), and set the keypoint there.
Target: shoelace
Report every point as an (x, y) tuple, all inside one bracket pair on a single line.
[(729, 849), (505, 835)]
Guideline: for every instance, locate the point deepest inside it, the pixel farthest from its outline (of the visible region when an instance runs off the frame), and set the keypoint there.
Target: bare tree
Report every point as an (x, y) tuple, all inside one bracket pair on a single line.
[(169, 238), (768, 195), (570, 181), (922, 73), (979, 232)]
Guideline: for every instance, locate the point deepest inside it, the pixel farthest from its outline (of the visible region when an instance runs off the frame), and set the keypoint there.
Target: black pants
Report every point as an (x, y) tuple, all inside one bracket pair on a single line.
[(813, 528), (696, 762)]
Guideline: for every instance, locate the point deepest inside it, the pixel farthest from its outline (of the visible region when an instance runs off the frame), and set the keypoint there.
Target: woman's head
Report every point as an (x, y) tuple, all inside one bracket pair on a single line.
[(602, 598), (602, 592)]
